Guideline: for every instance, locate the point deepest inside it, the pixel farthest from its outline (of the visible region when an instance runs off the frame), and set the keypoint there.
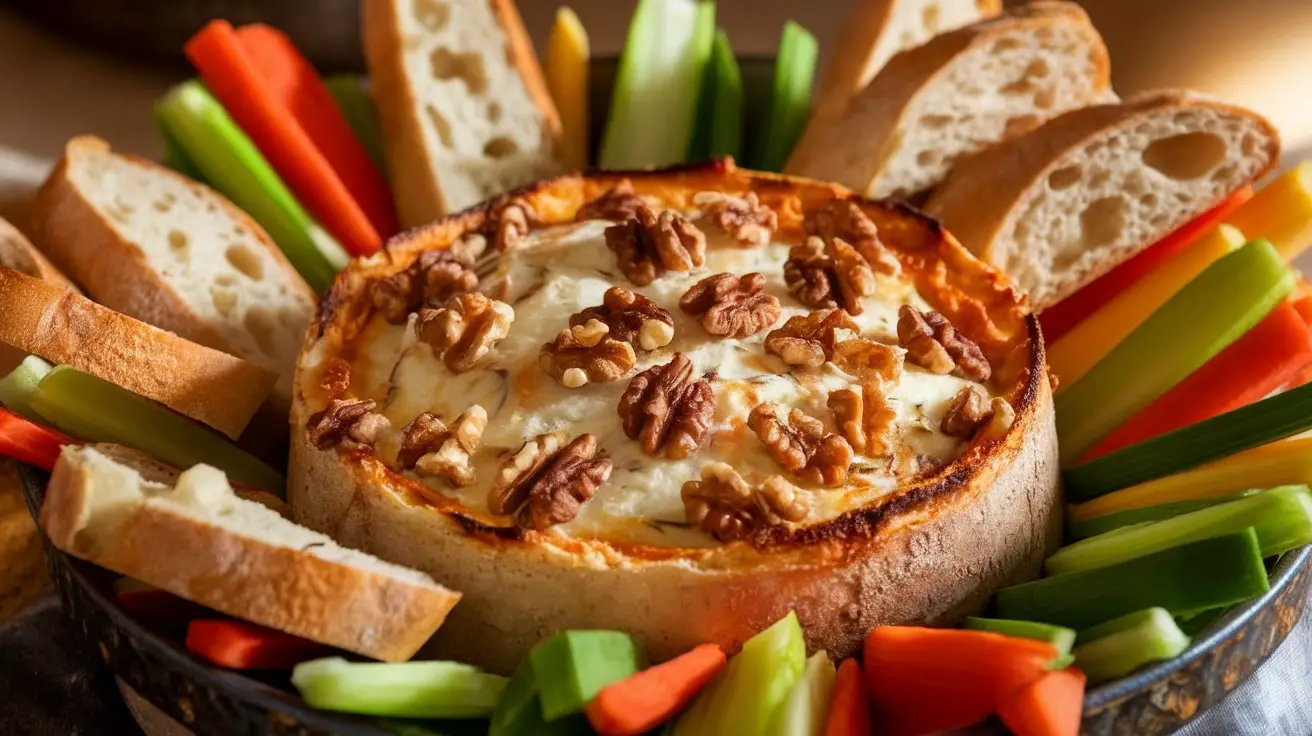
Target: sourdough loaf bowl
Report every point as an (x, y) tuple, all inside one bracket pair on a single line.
[(737, 485)]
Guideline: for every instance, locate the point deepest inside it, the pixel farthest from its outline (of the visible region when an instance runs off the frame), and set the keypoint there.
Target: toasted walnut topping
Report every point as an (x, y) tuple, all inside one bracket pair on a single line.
[(368, 429), (632, 318), (724, 505), (648, 245), (843, 218), (830, 273), (802, 446), (452, 458), (667, 409), (619, 203), (808, 340), (465, 329), (966, 413), (432, 278), (864, 418), (867, 359), (586, 353), (546, 481), (330, 426), (732, 306), (744, 219), (935, 345), (424, 434), (511, 222)]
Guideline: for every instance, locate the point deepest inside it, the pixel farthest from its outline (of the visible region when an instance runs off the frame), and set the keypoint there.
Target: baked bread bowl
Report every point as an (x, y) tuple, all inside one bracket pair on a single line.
[(915, 525)]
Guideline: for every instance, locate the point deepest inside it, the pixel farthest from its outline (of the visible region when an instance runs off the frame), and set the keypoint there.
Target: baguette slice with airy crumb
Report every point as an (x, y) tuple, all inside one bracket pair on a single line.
[(17, 252), (199, 540), (957, 94), (462, 103), (1067, 202)]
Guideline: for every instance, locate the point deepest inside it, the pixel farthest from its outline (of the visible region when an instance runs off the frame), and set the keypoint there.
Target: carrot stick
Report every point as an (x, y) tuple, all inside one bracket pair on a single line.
[(246, 646), (849, 709), (1061, 317), (1267, 357), (925, 680), (651, 697), (1050, 706), (293, 81), (233, 78), (29, 442)]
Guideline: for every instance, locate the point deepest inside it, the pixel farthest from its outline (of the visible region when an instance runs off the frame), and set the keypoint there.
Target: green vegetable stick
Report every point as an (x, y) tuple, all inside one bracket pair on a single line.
[(1060, 637), (519, 711), (1085, 528), (234, 166), (654, 109), (98, 411), (16, 389), (790, 99), (1282, 518), (1120, 646), (571, 667), (807, 705), (1192, 577), (1202, 319), (398, 689), (720, 111), (175, 156), (349, 94)]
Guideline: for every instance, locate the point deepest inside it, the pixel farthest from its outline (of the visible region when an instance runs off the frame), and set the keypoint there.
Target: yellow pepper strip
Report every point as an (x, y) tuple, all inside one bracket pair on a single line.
[(1281, 212), (567, 78), (1091, 340), (1279, 463)]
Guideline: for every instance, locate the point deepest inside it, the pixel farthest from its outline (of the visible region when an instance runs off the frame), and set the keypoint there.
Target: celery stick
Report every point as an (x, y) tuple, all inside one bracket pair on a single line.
[(1192, 577), (1199, 321), (16, 389), (399, 689), (720, 111), (1085, 528), (654, 109), (807, 705), (235, 167), (352, 99), (175, 156), (790, 99), (1120, 646), (519, 711), (571, 667), (1060, 637), (1282, 518), (96, 410), (1194, 623), (748, 695)]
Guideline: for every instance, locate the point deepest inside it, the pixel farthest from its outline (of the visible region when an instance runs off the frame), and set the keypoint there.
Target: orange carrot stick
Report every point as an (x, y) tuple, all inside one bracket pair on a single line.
[(1267, 357), (231, 75), (1050, 706), (849, 708), (651, 697), (246, 646)]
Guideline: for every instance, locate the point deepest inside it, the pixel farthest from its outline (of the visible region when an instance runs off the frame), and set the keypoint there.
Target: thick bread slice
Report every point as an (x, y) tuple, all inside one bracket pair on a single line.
[(17, 252), (873, 33), (959, 93), (198, 540), (218, 389), (463, 107), (157, 246), (1064, 204), (154, 471)]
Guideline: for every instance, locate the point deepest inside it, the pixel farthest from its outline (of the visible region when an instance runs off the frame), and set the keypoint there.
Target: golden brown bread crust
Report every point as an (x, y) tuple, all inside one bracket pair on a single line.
[(933, 552), (19, 254), (525, 59)]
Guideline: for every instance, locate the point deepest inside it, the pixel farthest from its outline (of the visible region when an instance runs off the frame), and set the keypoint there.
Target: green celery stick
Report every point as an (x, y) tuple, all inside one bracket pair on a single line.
[(16, 389), (571, 667), (349, 94), (175, 156), (1062, 662), (1282, 518), (1192, 577), (653, 112), (790, 99), (719, 129), (807, 705), (96, 410), (1273, 418), (1086, 528), (398, 689), (1060, 637), (1120, 646), (1210, 312), (519, 711), (1194, 624), (233, 165), (749, 693)]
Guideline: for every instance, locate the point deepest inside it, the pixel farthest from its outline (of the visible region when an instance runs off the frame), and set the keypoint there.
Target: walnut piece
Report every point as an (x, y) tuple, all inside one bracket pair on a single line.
[(585, 354), (332, 425), (619, 203), (424, 434), (432, 278), (967, 414), (935, 345), (465, 329), (731, 306), (802, 446), (724, 505), (647, 245), (452, 458), (632, 318), (828, 273), (667, 409), (809, 340), (843, 218), (511, 222), (868, 360), (1001, 419), (864, 418), (546, 481), (744, 219)]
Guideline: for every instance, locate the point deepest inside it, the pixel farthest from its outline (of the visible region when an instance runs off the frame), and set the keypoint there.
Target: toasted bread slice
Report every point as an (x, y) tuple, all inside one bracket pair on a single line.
[(1064, 204), (463, 107), (161, 248), (957, 94), (199, 540)]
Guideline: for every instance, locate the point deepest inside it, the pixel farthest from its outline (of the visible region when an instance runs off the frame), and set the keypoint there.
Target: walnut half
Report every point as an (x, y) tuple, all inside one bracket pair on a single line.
[(802, 446), (429, 446), (465, 329), (967, 414), (864, 418), (432, 278), (648, 245), (345, 419), (667, 409), (827, 273), (722, 504), (808, 340), (547, 481), (935, 345), (731, 306), (632, 318), (585, 354), (619, 203), (744, 218), (843, 218)]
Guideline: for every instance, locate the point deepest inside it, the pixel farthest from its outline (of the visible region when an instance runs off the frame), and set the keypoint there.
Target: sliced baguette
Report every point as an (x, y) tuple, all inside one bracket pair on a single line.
[(464, 110), (873, 33), (18, 253), (1065, 203), (157, 246), (199, 540), (959, 93), (209, 386)]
